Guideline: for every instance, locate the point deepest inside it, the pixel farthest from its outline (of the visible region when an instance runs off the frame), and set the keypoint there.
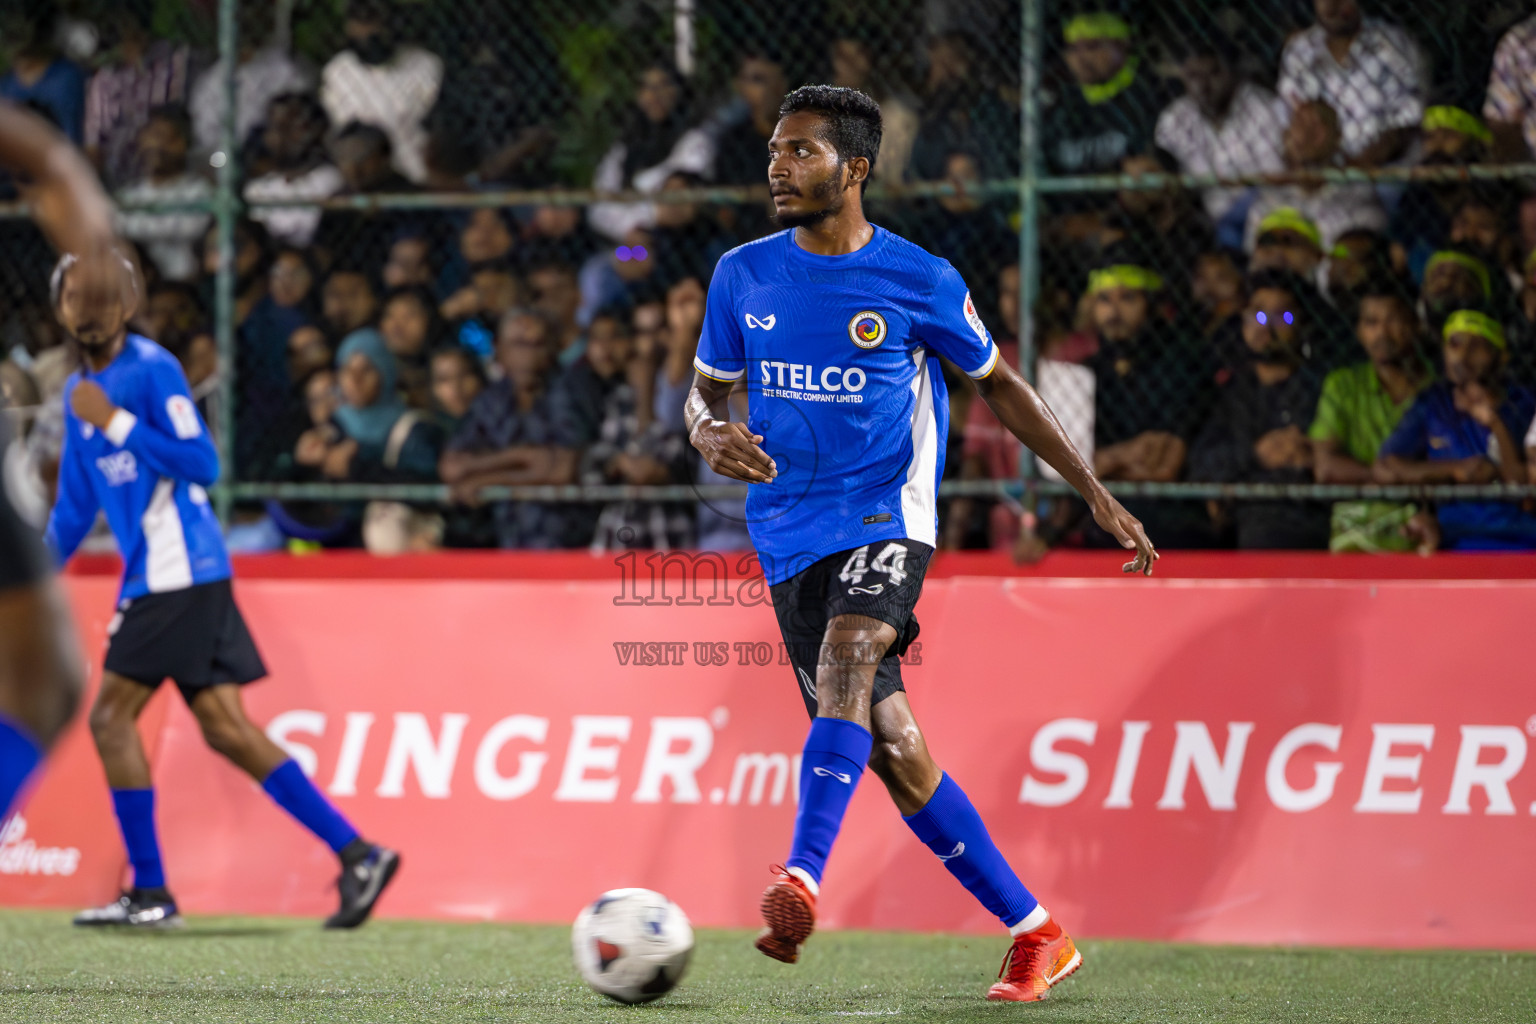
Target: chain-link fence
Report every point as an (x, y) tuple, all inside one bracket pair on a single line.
[(468, 250)]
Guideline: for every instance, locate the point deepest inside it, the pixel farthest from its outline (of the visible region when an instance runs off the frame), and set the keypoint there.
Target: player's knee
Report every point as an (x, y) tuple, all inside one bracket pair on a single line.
[(112, 720), (895, 760), (225, 736), (60, 685)]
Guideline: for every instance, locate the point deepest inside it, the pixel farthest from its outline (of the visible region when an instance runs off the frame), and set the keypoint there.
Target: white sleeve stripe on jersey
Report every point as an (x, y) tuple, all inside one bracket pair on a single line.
[(989, 365), (714, 374)]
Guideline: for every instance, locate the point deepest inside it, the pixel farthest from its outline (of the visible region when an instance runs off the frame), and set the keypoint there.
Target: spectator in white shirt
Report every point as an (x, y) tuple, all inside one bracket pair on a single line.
[(1371, 72), (654, 141), (293, 165), (1510, 107), (169, 239), (378, 81), (262, 72), (1312, 143), (1222, 125)]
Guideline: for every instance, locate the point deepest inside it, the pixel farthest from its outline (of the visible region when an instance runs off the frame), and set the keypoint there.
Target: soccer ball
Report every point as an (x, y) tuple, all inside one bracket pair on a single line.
[(632, 944)]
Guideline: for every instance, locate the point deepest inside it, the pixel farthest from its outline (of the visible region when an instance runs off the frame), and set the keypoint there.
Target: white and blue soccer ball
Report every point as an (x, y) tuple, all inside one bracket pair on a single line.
[(632, 945)]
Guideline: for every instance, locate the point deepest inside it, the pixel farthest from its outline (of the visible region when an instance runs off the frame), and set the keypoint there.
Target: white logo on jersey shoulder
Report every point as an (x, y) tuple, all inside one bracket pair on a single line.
[(766, 323), (830, 774), (87, 431), (184, 418), (972, 318), (197, 495)]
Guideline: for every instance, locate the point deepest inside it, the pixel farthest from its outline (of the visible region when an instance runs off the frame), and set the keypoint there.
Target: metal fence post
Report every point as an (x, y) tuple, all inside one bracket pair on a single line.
[(225, 205), (1029, 199)]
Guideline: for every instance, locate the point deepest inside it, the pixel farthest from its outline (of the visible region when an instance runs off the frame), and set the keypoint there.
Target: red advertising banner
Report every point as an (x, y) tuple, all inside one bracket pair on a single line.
[(1303, 760)]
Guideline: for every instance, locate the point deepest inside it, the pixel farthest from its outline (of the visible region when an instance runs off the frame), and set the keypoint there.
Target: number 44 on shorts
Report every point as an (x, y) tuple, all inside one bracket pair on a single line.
[(892, 561)]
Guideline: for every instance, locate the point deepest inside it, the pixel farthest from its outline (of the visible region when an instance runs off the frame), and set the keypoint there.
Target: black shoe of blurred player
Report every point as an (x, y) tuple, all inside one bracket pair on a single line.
[(366, 869), (136, 908)]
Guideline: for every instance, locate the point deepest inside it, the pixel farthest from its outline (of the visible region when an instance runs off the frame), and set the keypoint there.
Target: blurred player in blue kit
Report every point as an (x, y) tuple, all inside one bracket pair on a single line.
[(136, 449), (831, 327), (41, 675)]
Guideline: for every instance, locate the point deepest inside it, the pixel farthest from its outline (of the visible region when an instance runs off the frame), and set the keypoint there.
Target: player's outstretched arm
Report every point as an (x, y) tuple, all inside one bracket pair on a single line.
[(731, 449), (1019, 408), (65, 195)]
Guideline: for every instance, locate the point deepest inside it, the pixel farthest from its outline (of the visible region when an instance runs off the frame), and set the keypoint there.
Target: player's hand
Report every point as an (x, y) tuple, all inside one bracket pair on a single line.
[(1127, 529), (91, 404), (731, 449)]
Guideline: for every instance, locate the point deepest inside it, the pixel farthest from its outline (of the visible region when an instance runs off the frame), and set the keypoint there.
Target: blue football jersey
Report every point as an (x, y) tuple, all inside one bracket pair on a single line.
[(147, 471), (836, 353)]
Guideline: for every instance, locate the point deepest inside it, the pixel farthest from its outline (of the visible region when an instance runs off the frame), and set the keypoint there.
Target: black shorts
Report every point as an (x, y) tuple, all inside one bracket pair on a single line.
[(195, 637), (881, 580), (23, 561)]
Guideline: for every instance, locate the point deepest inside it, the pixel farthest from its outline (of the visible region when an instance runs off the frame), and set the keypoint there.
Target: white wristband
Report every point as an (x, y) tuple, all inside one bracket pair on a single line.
[(119, 427)]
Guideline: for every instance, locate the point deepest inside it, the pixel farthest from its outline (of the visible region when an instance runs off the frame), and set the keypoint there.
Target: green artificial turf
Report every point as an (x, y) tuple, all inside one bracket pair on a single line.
[(251, 970)]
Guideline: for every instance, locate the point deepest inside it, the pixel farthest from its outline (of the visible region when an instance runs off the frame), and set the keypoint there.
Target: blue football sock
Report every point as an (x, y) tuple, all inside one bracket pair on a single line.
[(836, 751), (136, 817), (294, 793), (19, 754), (949, 826)]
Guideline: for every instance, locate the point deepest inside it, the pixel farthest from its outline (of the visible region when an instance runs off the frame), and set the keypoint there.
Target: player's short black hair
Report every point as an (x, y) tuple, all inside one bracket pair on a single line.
[(852, 119)]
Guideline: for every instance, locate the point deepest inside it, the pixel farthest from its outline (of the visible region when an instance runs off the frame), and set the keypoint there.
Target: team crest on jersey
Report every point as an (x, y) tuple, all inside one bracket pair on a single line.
[(867, 329), (972, 318)]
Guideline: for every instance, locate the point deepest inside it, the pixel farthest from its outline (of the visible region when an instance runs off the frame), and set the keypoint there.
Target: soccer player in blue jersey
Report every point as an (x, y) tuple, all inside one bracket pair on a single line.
[(41, 674), (136, 449), (832, 327)]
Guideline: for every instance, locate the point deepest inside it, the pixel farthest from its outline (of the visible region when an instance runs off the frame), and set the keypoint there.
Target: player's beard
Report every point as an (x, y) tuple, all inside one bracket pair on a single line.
[(826, 191), (97, 347)]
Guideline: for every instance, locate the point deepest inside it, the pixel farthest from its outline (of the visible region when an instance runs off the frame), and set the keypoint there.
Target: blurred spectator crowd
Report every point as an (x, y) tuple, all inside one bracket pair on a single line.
[(1287, 332)]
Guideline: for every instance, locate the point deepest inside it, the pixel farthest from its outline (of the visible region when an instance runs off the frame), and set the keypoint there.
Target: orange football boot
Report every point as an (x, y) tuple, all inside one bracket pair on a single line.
[(789, 910), (1035, 962)]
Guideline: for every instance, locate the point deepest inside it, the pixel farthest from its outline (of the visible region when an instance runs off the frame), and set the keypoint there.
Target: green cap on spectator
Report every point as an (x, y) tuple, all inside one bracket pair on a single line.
[(1461, 259), (1288, 218), (1470, 321), (1124, 275), (1099, 25), (1457, 120)]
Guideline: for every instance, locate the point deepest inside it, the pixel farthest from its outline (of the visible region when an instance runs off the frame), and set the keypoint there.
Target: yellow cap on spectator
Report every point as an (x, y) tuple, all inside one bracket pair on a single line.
[(1470, 321), (1099, 25), (1124, 275), (1461, 259), (1288, 218), (1457, 120)]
